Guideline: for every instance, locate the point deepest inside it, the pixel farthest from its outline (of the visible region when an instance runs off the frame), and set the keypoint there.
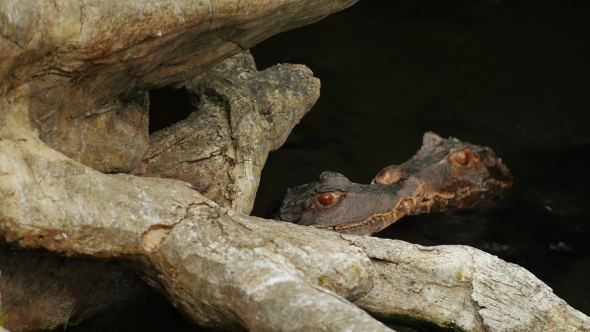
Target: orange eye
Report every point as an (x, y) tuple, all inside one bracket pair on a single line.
[(462, 158), (326, 199)]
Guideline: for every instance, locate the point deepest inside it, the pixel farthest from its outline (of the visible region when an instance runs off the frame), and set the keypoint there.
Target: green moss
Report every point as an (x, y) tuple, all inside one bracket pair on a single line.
[(459, 275), (1, 319), (321, 279)]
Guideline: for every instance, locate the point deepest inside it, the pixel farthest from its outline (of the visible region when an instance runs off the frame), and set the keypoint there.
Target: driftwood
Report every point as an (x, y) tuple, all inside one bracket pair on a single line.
[(85, 67), (243, 114), (73, 93), (47, 291), (225, 270)]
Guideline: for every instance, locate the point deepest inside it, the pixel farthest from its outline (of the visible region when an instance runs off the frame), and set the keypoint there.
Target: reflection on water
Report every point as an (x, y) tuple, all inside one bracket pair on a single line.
[(511, 75)]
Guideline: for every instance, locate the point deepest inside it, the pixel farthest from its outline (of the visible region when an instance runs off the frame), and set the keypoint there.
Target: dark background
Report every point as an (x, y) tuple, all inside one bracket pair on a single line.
[(511, 75)]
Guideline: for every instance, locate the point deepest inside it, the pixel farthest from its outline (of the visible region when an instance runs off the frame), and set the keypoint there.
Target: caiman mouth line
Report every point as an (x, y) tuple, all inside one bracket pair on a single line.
[(444, 174), (460, 193), (402, 207), (485, 188)]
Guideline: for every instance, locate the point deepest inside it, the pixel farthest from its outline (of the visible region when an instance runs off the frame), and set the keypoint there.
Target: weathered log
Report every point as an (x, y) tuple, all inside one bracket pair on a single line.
[(283, 93), (74, 210), (85, 67), (244, 132), (229, 271), (242, 115), (461, 287)]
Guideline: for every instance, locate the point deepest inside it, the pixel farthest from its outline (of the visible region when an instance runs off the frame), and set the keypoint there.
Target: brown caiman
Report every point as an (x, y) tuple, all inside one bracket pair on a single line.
[(444, 174)]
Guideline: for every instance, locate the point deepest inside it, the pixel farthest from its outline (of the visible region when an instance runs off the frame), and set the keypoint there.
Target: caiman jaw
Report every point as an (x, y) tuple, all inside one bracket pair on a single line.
[(377, 222), (463, 198), (476, 177), (444, 174)]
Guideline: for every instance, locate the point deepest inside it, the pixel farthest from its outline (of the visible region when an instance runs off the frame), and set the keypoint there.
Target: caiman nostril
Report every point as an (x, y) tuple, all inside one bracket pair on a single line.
[(444, 174)]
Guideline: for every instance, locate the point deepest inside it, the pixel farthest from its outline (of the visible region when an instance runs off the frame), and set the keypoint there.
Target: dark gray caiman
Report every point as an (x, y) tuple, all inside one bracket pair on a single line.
[(444, 174), (335, 203)]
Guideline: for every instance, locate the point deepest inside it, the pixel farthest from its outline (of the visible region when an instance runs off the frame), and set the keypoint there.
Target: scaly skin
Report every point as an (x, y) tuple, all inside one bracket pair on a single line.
[(333, 202), (444, 174), (456, 174)]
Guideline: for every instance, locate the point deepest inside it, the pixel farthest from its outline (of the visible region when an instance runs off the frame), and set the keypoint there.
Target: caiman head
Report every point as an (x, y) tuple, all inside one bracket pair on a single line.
[(456, 174), (333, 202)]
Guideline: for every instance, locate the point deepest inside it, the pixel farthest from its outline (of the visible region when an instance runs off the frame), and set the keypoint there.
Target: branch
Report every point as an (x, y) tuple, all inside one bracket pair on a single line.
[(199, 254), (85, 67), (242, 115), (226, 270)]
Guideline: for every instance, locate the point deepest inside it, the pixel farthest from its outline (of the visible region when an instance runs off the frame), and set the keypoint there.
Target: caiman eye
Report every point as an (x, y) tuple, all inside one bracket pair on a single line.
[(326, 199), (462, 157)]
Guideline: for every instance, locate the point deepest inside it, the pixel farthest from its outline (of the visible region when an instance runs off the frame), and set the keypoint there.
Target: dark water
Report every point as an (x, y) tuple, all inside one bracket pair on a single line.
[(511, 75)]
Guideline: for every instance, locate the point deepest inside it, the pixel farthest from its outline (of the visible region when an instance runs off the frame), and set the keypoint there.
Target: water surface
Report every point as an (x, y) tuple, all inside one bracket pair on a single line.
[(512, 75)]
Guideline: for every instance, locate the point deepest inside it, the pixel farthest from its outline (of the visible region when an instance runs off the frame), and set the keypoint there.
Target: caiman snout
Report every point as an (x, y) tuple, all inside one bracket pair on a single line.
[(333, 202), (444, 174)]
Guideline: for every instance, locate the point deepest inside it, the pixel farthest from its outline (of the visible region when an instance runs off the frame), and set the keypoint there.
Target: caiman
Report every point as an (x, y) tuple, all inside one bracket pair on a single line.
[(444, 174)]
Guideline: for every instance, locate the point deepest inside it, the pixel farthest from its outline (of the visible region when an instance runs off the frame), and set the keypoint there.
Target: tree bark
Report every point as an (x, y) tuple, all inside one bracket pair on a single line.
[(220, 274), (242, 115), (87, 65), (228, 271), (254, 113)]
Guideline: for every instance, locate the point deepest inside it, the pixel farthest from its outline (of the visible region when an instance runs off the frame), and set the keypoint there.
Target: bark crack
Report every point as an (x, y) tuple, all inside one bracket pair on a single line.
[(156, 234), (13, 41), (211, 12), (178, 141), (81, 18), (478, 315), (238, 220), (231, 41), (182, 10), (211, 155), (26, 160), (53, 71)]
